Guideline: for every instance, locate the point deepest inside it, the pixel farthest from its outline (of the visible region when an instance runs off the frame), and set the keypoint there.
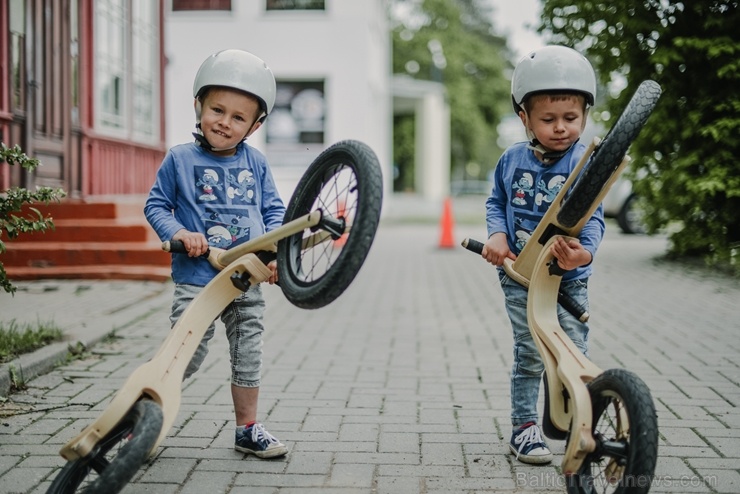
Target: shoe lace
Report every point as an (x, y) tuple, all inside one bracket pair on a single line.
[(259, 434), (530, 435)]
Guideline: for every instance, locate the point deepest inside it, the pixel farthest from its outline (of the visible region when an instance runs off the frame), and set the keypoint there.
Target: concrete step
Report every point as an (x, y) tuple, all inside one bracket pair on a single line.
[(100, 208), (48, 254), (95, 230), (90, 272), (104, 238)]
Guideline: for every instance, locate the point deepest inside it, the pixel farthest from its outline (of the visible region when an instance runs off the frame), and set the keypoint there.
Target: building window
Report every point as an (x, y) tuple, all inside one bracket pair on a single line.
[(145, 68), (74, 62), (17, 45), (201, 5), (127, 69), (295, 5), (295, 127), (298, 115), (110, 58)]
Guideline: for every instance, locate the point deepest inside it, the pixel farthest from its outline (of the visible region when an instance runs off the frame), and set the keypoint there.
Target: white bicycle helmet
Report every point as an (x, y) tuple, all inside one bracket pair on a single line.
[(236, 69), (552, 68)]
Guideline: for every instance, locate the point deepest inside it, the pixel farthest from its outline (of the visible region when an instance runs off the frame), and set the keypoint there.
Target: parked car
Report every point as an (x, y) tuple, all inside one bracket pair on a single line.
[(620, 203)]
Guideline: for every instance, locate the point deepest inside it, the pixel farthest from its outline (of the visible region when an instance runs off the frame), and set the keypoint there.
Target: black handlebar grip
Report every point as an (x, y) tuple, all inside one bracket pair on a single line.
[(177, 247), (570, 304), (473, 245), (174, 247), (564, 299)]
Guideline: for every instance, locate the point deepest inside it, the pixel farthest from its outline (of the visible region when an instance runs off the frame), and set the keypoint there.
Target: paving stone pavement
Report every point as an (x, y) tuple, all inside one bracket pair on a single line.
[(401, 385)]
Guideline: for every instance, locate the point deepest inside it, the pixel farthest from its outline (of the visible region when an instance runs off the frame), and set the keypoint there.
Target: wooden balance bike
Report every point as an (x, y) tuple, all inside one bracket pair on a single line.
[(329, 226), (607, 417)]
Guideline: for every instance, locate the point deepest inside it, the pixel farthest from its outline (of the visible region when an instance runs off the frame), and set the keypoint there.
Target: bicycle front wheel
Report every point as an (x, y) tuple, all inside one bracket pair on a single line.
[(609, 154), (317, 265), (116, 458), (625, 427)]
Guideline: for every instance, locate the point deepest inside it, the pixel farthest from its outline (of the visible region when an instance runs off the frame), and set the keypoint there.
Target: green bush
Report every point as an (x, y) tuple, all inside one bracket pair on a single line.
[(686, 156), (12, 201)]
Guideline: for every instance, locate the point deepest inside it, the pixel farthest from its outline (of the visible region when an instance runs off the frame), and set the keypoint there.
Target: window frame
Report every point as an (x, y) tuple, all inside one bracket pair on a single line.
[(120, 57), (288, 8), (197, 5)]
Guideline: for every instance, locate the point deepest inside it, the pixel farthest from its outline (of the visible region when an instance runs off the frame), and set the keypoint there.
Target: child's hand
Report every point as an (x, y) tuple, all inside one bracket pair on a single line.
[(570, 254), (195, 243), (496, 249), (274, 277)]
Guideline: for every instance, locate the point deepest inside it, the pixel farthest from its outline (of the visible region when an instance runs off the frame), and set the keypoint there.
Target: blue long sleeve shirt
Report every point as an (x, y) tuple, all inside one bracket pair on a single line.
[(524, 188), (230, 199)]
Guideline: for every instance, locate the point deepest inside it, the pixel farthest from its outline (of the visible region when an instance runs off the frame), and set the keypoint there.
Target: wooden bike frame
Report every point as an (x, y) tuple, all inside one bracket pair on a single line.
[(567, 370), (160, 379)]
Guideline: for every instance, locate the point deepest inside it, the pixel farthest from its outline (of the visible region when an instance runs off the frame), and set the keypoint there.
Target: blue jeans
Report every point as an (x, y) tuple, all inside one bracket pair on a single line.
[(526, 373), (243, 321)]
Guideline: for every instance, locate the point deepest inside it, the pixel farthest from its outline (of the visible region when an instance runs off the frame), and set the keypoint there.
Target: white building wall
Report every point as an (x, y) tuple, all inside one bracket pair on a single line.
[(348, 46)]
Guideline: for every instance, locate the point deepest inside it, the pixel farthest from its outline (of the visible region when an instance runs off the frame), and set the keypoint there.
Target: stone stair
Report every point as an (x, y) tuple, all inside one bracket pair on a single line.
[(105, 238)]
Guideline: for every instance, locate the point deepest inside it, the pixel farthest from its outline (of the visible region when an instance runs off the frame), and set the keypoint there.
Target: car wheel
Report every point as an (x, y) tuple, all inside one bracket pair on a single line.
[(630, 216)]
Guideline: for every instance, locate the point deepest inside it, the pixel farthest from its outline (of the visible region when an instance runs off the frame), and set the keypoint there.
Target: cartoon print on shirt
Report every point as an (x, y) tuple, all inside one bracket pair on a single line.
[(526, 195), (241, 187), (522, 237), (548, 192), (523, 187), (218, 236), (226, 227), (524, 226), (208, 183)]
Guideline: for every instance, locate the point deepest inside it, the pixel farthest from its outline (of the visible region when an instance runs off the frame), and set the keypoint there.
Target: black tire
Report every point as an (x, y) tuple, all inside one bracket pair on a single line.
[(609, 154), (116, 458), (630, 217), (626, 453), (345, 183)]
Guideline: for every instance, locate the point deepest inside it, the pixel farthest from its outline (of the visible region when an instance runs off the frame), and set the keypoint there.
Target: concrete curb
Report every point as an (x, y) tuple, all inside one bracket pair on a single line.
[(43, 360), (107, 319)]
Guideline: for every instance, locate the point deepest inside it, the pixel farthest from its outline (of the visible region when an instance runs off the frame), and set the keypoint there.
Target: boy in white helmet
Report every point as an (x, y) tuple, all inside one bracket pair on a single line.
[(218, 191), (552, 89)]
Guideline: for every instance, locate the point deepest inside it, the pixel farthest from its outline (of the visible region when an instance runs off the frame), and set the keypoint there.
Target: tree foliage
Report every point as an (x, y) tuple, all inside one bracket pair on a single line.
[(12, 201), (687, 155), (453, 42)]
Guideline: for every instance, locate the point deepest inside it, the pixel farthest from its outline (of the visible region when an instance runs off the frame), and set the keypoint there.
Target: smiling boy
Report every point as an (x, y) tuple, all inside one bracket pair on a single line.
[(219, 192)]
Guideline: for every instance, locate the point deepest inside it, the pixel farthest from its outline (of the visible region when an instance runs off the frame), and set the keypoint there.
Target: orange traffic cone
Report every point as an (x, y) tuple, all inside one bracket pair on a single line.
[(446, 240)]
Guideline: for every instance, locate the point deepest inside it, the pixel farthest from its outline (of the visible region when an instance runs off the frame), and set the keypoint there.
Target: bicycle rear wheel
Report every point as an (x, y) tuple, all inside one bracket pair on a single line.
[(609, 154), (116, 458), (317, 265)]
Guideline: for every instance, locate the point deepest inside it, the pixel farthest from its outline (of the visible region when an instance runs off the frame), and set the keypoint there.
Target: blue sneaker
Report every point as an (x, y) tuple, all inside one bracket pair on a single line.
[(257, 441), (528, 446)]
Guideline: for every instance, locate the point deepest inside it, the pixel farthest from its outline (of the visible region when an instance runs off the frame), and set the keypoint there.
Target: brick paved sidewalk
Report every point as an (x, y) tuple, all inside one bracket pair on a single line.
[(401, 386)]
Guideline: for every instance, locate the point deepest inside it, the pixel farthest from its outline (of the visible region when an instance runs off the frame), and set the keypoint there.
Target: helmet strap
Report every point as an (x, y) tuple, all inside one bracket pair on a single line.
[(548, 157)]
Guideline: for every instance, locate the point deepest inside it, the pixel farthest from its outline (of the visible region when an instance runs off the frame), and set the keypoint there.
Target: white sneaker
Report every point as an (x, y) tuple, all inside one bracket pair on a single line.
[(528, 446)]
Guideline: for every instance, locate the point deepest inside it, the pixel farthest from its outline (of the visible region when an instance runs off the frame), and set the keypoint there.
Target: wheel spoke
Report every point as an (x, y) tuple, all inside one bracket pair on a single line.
[(337, 199)]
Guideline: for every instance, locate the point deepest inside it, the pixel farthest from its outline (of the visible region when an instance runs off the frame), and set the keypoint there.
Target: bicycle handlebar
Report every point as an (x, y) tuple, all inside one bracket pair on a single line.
[(177, 247), (564, 299)]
